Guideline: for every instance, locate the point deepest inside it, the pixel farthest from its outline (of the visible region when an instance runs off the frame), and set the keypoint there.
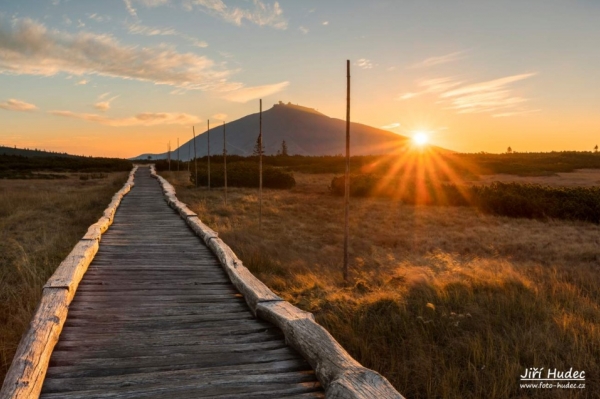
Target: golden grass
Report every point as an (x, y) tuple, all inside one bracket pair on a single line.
[(40, 222), (445, 302)]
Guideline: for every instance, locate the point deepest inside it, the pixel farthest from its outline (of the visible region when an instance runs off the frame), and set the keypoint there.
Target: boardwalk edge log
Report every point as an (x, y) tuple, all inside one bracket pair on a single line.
[(28, 368), (340, 375)]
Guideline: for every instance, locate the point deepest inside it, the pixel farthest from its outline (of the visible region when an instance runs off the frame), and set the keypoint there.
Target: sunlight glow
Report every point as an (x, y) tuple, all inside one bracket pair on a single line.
[(420, 138)]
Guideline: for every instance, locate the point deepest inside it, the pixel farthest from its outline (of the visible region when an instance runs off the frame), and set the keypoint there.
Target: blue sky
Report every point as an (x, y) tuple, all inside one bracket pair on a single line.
[(122, 77)]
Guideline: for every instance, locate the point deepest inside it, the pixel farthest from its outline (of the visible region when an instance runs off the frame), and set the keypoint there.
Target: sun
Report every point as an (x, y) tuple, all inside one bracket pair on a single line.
[(420, 139)]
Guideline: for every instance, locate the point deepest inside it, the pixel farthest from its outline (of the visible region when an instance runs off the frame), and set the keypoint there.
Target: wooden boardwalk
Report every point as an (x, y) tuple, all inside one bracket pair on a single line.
[(155, 316)]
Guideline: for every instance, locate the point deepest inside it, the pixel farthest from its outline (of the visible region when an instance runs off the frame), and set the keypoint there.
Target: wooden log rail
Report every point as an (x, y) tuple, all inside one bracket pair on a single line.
[(28, 369), (341, 375)]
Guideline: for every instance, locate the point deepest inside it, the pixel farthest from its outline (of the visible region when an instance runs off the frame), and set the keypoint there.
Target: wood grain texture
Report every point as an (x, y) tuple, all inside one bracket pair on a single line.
[(156, 316), (26, 373), (338, 372)]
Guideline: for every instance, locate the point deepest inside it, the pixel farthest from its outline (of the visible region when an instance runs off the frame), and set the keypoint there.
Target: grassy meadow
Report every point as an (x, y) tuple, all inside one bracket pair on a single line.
[(444, 301), (40, 222)]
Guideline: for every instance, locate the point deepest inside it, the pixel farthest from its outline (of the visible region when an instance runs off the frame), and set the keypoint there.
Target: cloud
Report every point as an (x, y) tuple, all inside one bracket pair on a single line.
[(391, 125), (220, 117), (262, 14), (130, 8), (303, 30), (364, 63), (139, 29), (250, 93), (325, 23), (505, 114), (31, 49), (442, 59), (17, 105), (142, 119), (426, 86), (98, 18), (488, 96), (83, 82), (104, 105)]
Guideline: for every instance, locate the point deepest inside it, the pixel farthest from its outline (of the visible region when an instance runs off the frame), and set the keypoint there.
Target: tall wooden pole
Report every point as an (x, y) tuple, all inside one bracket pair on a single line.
[(195, 163), (169, 149), (260, 151), (225, 161), (347, 178), (208, 139), (189, 156), (178, 154)]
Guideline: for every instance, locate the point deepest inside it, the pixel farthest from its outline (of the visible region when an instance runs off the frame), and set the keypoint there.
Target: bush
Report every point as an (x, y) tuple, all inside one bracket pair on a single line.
[(505, 199), (242, 174)]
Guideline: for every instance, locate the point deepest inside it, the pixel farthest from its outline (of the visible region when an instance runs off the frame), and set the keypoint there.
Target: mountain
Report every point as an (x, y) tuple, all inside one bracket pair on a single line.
[(305, 131)]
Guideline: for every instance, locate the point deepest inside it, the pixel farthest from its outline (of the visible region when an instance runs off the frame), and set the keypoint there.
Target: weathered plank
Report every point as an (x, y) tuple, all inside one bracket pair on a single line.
[(340, 374)]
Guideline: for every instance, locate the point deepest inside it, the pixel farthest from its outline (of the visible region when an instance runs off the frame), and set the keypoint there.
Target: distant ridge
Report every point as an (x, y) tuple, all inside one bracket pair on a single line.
[(305, 131), (25, 152)]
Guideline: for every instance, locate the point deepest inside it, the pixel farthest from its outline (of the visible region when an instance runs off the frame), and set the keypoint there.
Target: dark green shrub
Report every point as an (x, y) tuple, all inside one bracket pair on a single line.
[(242, 174)]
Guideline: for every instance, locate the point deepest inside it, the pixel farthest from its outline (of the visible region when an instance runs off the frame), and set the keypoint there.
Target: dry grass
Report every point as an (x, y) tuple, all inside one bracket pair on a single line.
[(445, 302), (40, 222)]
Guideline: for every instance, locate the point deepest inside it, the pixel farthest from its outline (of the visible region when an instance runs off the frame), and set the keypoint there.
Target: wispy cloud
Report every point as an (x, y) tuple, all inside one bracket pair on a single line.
[(488, 96), (83, 82), (303, 30), (364, 63), (130, 8), (220, 117), (104, 105), (28, 48), (17, 105), (325, 23), (262, 14), (438, 60), (391, 125), (98, 18), (250, 93), (139, 29), (142, 119)]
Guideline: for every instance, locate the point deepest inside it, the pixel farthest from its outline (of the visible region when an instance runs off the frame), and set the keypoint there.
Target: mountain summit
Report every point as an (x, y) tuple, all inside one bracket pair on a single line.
[(305, 131)]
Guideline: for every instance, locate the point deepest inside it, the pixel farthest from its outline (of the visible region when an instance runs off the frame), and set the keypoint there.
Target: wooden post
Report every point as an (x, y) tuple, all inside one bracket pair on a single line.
[(178, 154), (225, 161), (260, 151), (208, 139), (169, 157), (189, 156), (347, 178), (195, 162)]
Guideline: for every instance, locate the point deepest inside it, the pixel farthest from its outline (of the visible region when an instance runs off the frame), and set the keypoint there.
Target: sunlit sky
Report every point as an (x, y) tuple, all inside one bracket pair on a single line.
[(124, 77)]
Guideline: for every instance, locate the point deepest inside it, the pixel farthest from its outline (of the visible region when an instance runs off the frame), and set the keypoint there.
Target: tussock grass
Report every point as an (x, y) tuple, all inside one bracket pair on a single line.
[(40, 222), (445, 302)]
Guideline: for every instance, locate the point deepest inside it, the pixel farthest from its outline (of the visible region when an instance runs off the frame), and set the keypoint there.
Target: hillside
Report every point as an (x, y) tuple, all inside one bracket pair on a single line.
[(25, 152), (305, 130)]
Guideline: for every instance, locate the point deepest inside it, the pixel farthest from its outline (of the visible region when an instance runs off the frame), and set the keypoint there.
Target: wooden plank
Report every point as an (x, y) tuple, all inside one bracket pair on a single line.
[(142, 379)]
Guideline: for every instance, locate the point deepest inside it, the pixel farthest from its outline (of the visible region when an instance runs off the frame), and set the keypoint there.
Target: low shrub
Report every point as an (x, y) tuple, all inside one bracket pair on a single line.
[(243, 174)]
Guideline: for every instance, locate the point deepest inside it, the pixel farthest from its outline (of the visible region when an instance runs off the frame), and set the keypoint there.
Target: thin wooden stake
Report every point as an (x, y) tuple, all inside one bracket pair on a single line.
[(169, 157), (178, 154), (195, 155), (208, 138), (347, 178), (225, 161), (189, 156), (260, 178)]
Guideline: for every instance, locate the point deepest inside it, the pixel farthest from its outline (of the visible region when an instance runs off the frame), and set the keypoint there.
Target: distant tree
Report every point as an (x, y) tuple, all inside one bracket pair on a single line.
[(257, 147), (596, 148), (149, 157), (284, 149), (509, 150)]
